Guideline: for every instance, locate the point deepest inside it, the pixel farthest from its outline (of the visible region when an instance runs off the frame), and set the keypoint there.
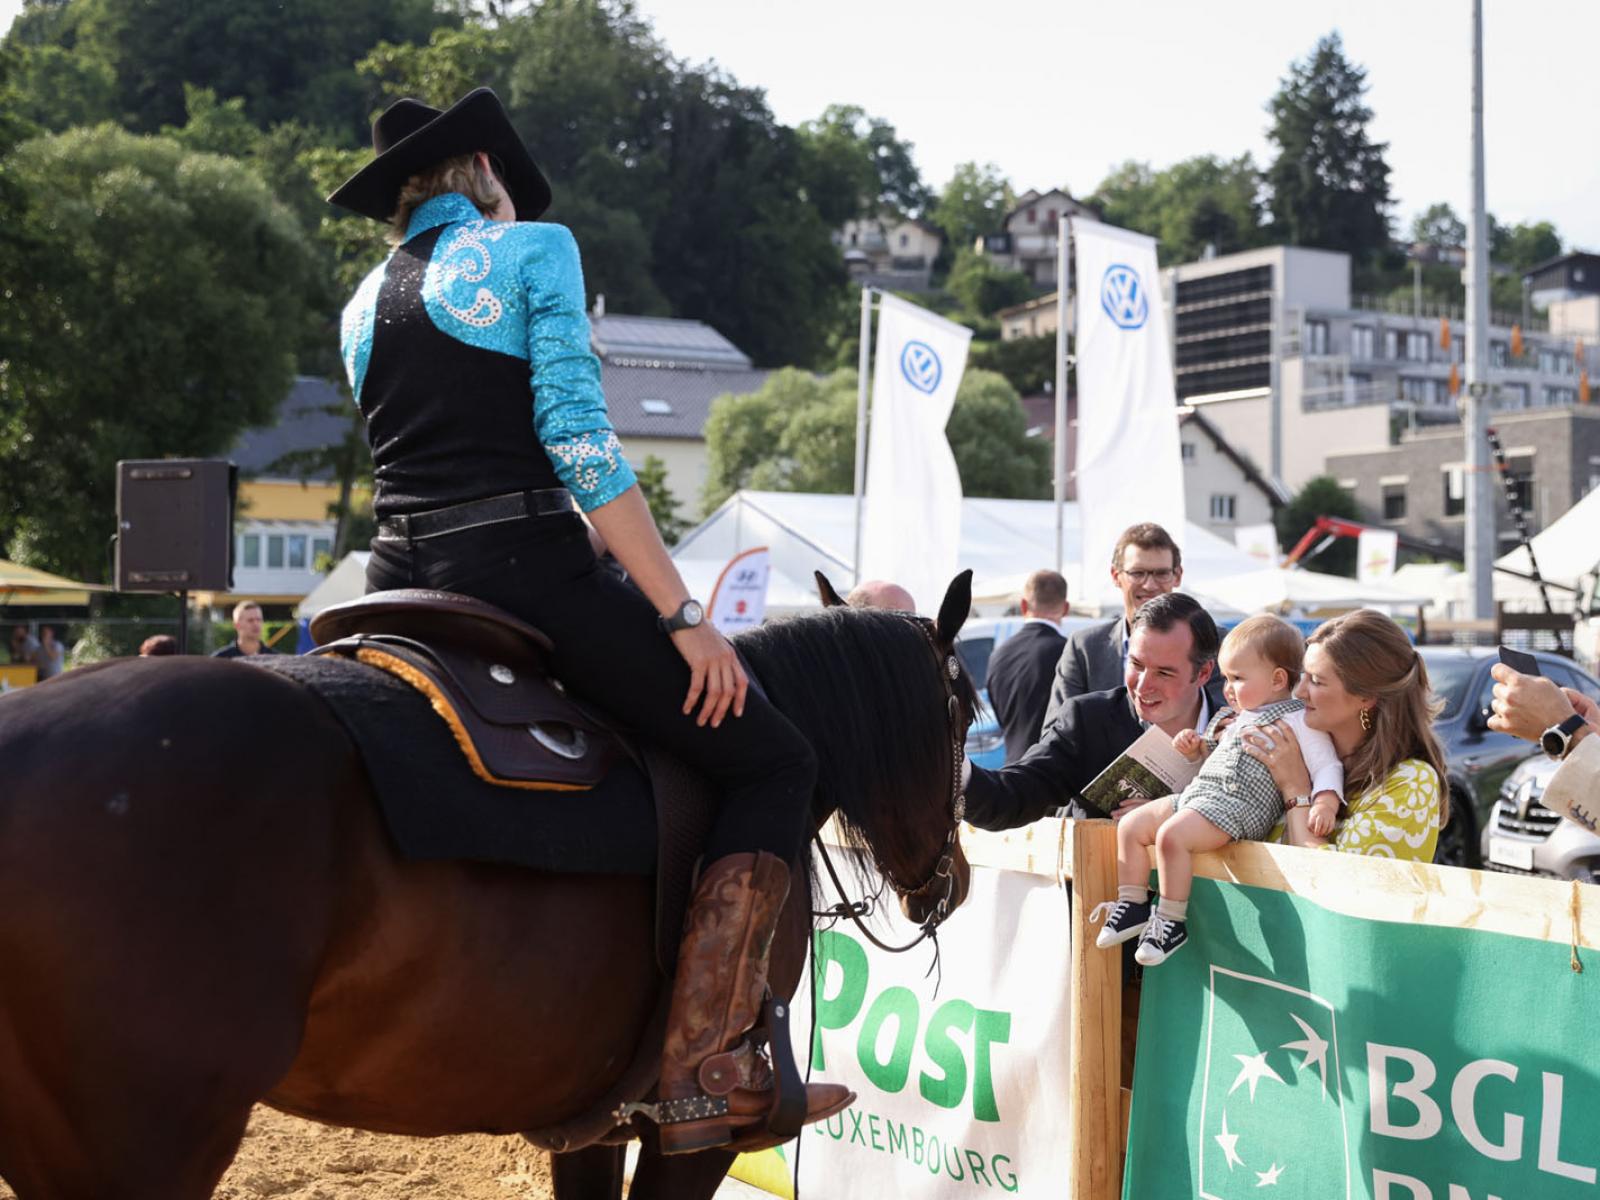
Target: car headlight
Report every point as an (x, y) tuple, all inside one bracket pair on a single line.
[(1529, 776)]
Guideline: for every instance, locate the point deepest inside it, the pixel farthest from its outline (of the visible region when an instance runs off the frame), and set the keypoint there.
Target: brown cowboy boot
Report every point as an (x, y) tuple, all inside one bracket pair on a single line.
[(713, 1079)]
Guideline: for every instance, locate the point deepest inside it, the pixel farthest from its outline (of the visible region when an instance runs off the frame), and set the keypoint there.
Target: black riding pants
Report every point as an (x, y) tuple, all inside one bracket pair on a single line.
[(609, 652)]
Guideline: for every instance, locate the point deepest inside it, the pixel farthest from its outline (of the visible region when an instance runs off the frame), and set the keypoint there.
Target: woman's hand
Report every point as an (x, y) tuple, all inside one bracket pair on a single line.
[(1277, 746), (716, 672)]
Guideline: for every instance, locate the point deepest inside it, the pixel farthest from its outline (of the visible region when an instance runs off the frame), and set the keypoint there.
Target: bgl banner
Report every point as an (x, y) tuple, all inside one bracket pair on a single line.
[(961, 1074)]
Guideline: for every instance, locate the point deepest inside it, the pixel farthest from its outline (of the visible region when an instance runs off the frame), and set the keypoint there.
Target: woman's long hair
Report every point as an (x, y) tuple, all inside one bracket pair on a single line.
[(1374, 658)]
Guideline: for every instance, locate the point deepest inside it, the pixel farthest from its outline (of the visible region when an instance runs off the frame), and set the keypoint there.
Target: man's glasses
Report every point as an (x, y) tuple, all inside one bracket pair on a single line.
[(1142, 577)]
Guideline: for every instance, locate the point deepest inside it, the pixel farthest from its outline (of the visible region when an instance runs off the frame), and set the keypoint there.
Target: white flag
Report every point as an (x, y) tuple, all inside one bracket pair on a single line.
[(739, 601), (1376, 551), (1129, 467), (1258, 541), (911, 532)]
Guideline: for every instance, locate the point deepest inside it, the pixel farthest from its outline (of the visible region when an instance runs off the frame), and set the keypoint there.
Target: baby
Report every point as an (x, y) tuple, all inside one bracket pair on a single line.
[(1232, 799)]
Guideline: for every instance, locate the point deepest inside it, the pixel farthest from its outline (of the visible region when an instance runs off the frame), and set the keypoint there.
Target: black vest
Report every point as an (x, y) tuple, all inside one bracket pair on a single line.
[(448, 422)]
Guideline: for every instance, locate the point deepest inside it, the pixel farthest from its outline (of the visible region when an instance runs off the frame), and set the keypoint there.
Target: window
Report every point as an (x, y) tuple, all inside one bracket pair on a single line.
[(1033, 216), (1186, 450), (297, 552), (275, 551), (1455, 490), (1559, 397), (854, 238), (1513, 395), (1361, 341), (1391, 343), (1419, 391), (1394, 502), (1498, 354), (1222, 507), (320, 548), (1419, 346), (905, 240), (1316, 337), (250, 550), (1051, 216), (656, 408)]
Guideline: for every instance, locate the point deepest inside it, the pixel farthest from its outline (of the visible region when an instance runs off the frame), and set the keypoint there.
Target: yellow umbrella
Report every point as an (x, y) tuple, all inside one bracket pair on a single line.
[(26, 586)]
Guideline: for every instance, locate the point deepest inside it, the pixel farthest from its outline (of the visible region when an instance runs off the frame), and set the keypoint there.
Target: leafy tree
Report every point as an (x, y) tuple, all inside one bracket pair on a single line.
[(1320, 497), (983, 288), (972, 204), (857, 165), (988, 433), (663, 504), (155, 300), (1199, 202), (60, 88), (1329, 182), (743, 432), (1524, 245), (1439, 226), (1028, 363)]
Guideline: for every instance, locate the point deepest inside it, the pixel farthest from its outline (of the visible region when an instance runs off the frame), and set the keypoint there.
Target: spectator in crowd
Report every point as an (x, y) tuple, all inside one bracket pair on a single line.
[(1145, 563), (51, 656), (1022, 666), (1171, 654), (158, 646), (23, 646), (247, 632), (880, 593), (1366, 687), (1562, 721)]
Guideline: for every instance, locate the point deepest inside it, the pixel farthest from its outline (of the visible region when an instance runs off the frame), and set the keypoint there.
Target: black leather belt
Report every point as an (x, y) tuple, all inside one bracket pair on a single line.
[(513, 506)]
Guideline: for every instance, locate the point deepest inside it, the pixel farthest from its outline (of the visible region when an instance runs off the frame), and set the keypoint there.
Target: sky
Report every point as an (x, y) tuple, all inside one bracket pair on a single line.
[(1056, 92)]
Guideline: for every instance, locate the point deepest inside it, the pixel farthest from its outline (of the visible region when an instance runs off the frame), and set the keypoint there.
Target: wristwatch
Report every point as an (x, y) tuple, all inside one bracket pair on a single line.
[(690, 613), (1557, 740), (1299, 801)]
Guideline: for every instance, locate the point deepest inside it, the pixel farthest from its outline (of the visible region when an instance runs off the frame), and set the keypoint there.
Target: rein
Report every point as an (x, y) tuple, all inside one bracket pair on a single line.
[(943, 873)]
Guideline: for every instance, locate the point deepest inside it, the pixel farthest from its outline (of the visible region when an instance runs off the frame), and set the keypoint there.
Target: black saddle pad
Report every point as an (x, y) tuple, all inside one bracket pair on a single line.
[(436, 808)]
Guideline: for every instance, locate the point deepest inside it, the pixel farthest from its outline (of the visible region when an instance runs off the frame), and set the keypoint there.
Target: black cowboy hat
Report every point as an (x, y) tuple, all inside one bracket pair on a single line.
[(411, 136)]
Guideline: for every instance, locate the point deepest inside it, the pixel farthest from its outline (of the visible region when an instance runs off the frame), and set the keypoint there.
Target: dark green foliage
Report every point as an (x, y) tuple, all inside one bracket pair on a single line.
[(1320, 497), (664, 506), (1199, 202), (1329, 182), (972, 204), (856, 165), (1439, 226), (982, 288), (1028, 363)]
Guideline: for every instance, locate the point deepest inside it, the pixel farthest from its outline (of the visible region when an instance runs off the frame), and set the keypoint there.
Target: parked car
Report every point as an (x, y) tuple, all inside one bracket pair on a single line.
[(1523, 837), (1478, 760)]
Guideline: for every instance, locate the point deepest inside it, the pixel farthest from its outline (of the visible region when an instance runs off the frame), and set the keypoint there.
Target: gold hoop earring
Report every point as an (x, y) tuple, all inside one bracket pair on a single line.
[(1366, 720)]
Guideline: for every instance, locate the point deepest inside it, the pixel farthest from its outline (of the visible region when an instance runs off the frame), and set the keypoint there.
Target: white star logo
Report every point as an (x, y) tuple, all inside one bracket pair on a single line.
[(1252, 1070), (1315, 1050), (1269, 1178), (1229, 1142)]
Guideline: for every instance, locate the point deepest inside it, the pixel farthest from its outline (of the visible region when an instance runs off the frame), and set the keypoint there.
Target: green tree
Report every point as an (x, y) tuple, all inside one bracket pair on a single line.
[(1200, 202), (988, 434), (983, 288), (1320, 497), (972, 204), (60, 88), (1028, 363), (155, 297), (744, 433), (857, 165), (1329, 182), (1439, 226), (663, 504), (1523, 245)]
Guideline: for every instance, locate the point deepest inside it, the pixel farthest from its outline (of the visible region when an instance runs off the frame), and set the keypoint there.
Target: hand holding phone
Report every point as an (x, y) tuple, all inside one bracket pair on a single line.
[(1519, 661)]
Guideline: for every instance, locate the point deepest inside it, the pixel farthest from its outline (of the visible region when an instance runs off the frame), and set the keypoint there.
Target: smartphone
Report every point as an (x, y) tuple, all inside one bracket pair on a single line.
[(1520, 661)]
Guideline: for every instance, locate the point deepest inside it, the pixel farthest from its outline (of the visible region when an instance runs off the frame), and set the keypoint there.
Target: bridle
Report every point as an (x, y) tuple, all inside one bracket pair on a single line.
[(942, 878)]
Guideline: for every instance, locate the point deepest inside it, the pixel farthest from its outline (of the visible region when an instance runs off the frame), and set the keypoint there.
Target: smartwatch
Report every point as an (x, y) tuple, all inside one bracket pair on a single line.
[(690, 613), (1557, 740)]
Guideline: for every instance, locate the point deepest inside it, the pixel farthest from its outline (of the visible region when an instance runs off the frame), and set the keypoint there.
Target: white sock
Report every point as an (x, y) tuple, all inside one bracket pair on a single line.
[(1173, 910), (1136, 894)]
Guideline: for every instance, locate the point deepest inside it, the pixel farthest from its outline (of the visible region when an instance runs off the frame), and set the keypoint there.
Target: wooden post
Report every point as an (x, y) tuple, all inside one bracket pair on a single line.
[(1096, 1019)]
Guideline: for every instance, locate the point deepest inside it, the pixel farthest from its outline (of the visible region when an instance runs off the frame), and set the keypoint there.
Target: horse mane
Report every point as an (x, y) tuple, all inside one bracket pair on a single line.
[(863, 686)]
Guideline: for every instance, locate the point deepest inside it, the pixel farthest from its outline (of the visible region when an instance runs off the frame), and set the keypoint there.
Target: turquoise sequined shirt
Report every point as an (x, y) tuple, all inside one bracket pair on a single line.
[(515, 288)]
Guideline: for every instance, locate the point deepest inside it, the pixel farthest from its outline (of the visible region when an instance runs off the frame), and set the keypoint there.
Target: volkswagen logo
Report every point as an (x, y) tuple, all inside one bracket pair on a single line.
[(921, 367), (1122, 295)]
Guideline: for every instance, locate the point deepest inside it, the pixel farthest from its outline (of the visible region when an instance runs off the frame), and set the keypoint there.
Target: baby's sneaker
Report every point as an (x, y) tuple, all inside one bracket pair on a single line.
[(1162, 938), (1125, 920)]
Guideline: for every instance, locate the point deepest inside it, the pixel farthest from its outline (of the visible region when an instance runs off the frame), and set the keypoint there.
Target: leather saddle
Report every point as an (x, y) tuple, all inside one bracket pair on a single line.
[(486, 674)]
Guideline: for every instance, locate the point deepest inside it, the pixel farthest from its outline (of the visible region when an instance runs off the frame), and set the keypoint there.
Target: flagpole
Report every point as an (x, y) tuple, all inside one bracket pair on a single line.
[(1061, 386), (861, 418)]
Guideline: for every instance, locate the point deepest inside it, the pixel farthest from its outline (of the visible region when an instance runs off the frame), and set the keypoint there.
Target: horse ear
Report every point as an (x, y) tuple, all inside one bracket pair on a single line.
[(825, 592), (957, 605)]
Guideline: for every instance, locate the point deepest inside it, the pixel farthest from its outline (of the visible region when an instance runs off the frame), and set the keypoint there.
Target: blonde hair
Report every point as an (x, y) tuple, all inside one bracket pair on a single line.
[(458, 174), (1274, 639), (243, 607), (1375, 659)]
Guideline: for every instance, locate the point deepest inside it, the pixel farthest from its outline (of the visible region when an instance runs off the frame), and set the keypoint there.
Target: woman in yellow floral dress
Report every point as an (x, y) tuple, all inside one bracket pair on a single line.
[(1367, 688)]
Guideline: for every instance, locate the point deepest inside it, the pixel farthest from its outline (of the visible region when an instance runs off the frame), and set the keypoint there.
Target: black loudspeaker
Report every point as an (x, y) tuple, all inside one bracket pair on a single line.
[(175, 525)]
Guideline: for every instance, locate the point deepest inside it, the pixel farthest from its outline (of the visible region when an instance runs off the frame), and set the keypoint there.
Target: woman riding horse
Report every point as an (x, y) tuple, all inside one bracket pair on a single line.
[(468, 353)]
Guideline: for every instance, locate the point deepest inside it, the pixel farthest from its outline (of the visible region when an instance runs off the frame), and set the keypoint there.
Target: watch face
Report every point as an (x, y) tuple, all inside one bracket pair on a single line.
[(693, 614), (1554, 742)]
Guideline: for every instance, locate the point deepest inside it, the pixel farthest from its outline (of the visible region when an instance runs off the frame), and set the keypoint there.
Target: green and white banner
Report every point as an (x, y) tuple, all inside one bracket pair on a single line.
[(1291, 1048), (962, 1070)]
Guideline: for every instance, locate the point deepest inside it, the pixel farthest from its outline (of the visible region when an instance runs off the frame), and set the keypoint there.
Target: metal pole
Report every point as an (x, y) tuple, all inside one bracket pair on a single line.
[(1416, 288), (183, 622), (1062, 234), (861, 417), (1475, 423)]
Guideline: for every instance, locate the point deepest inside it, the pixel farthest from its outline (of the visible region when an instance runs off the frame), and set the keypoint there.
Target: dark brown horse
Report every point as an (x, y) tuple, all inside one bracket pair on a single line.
[(200, 910)]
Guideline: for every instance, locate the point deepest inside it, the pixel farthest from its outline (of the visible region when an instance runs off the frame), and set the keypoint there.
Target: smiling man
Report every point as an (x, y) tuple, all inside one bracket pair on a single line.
[(1172, 649)]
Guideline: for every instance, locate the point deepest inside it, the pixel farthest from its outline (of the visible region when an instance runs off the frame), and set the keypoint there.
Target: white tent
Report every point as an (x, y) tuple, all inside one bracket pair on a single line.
[(346, 581), (1567, 550), (1274, 589), (1001, 540)]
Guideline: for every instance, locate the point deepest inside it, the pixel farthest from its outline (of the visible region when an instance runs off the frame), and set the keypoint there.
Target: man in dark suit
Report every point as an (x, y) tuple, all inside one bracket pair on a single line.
[(1145, 563), (1022, 666), (1171, 655)]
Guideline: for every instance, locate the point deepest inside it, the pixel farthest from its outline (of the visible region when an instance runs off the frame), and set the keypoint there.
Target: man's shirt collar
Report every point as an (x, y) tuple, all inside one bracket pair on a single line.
[(441, 210)]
